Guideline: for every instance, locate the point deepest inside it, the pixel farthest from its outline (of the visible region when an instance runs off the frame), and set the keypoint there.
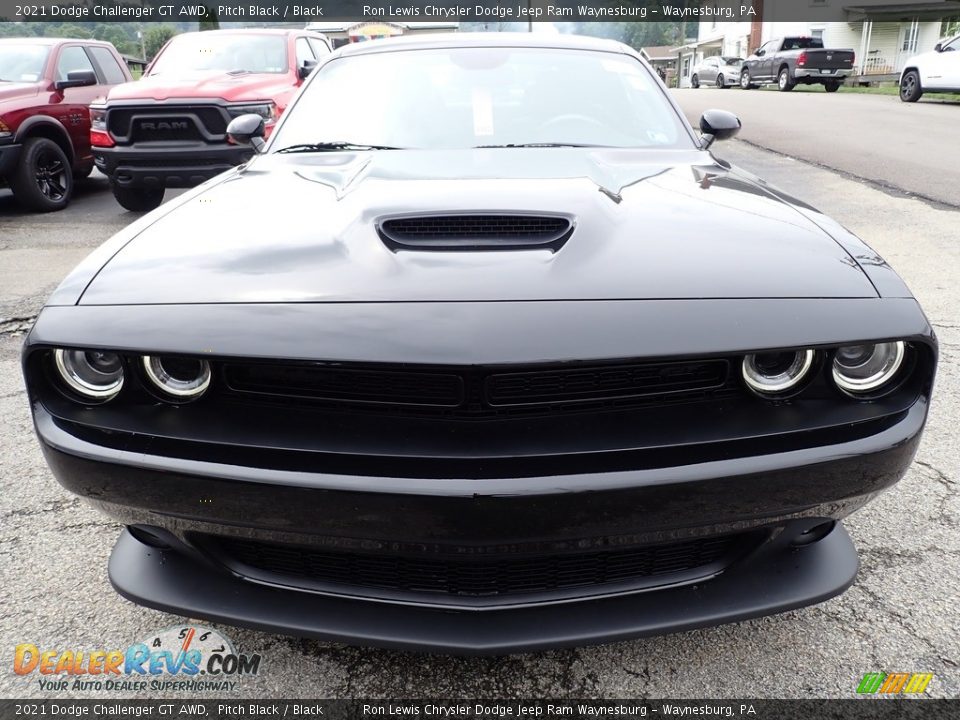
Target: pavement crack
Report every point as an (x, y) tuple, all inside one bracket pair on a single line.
[(937, 474), (16, 325), (54, 506)]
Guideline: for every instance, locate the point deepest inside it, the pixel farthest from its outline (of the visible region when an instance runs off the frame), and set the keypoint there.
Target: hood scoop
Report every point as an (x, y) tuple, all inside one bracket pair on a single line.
[(475, 231)]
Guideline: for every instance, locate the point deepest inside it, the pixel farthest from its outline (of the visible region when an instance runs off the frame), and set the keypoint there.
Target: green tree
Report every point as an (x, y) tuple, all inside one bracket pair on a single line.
[(155, 37), (634, 34), (69, 30)]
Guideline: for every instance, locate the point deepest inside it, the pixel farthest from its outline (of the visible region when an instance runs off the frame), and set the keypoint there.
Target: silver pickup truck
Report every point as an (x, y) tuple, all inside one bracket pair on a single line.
[(790, 61)]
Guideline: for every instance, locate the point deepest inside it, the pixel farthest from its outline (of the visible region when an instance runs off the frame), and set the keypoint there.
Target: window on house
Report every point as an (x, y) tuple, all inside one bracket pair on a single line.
[(817, 34)]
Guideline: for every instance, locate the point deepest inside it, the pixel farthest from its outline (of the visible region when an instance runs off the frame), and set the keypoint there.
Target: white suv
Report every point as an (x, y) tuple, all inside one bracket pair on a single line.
[(932, 72)]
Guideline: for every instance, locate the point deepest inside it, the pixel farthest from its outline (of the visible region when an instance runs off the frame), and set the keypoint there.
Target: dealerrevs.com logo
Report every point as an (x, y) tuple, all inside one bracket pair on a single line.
[(894, 683), (182, 657)]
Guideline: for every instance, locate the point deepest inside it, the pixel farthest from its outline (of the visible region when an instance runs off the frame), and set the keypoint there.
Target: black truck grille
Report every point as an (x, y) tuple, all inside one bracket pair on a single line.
[(167, 122), (495, 575), (479, 392)]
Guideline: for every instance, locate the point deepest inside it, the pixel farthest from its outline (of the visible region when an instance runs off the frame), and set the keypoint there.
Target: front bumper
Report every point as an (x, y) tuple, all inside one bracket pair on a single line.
[(779, 497), (180, 165)]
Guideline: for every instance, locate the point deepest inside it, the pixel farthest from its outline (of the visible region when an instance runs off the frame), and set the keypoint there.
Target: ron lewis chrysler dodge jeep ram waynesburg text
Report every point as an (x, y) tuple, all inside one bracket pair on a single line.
[(496, 356)]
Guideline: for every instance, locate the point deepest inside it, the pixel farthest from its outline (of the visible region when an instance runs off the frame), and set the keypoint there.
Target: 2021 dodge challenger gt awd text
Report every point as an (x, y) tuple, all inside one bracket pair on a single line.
[(483, 351)]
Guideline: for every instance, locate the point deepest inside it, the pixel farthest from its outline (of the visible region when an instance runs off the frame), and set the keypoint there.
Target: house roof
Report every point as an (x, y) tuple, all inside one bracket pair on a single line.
[(903, 10), (659, 52)]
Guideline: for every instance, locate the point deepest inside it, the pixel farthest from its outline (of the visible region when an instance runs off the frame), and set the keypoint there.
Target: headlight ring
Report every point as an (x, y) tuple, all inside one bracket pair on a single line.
[(773, 374), (92, 374), (863, 369), (176, 377)]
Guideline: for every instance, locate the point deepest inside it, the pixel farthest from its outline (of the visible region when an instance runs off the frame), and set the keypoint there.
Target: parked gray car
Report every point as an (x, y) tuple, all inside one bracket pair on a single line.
[(717, 70)]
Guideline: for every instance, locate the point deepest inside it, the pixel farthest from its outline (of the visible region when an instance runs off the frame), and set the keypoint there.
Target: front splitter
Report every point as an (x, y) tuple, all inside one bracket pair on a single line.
[(769, 583)]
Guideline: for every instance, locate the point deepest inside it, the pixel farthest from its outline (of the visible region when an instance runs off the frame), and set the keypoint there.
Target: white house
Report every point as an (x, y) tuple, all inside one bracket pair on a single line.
[(883, 36)]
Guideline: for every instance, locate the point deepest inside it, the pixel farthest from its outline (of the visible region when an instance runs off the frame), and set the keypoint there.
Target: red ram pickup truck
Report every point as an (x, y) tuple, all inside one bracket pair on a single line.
[(168, 129), (46, 87)]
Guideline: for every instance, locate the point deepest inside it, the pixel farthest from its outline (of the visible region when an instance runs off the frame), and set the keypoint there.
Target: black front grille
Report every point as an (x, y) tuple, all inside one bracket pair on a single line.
[(478, 575), (482, 392), (127, 123), (475, 231), (597, 383), (360, 386)]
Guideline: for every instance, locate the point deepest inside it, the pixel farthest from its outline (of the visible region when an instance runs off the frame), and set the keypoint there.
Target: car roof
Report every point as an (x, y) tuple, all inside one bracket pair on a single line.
[(52, 41), (255, 31), (485, 39)]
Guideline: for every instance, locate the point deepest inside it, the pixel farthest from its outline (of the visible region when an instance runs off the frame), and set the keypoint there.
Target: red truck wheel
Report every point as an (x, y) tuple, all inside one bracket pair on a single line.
[(43, 180)]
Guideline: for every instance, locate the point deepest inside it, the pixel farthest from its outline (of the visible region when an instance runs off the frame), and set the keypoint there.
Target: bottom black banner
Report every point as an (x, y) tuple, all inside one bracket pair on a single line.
[(856, 709)]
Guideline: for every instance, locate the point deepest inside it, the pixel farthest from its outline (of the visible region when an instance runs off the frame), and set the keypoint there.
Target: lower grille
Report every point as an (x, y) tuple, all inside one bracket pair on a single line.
[(496, 575)]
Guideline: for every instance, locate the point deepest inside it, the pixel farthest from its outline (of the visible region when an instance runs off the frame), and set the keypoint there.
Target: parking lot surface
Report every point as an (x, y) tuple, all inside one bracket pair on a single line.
[(901, 615), (912, 147)]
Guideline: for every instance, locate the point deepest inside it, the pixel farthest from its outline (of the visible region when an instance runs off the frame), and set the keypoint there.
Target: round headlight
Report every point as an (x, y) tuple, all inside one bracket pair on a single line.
[(777, 372), (93, 374), (859, 369), (184, 378)]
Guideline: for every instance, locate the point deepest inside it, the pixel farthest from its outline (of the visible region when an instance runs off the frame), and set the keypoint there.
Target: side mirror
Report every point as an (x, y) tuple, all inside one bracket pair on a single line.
[(938, 47), (718, 125), (307, 68), (77, 78), (247, 130), (758, 52)]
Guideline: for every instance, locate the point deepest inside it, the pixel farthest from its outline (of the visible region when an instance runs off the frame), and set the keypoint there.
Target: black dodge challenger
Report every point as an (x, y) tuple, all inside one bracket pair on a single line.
[(484, 351)]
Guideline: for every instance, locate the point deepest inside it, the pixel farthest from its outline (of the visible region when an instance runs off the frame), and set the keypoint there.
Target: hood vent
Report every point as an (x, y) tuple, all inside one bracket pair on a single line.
[(477, 231)]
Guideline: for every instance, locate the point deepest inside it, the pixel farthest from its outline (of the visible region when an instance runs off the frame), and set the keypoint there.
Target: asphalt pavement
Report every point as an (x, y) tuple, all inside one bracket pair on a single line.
[(912, 147), (901, 615)]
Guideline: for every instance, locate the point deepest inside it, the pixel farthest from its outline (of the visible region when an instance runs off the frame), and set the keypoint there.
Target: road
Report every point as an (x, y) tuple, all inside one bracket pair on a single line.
[(901, 615), (909, 147)]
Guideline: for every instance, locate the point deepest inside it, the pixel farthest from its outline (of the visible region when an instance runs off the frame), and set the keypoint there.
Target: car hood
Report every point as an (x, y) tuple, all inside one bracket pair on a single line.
[(648, 224), (203, 84), (14, 90)]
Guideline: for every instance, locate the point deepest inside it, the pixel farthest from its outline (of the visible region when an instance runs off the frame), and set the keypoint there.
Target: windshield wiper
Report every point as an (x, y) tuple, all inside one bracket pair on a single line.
[(333, 147), (537, 145)]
